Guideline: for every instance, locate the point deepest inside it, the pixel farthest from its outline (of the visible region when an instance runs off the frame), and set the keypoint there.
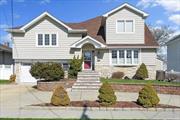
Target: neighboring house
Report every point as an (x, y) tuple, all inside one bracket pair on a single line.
[(161, 64), (6, 62), (116, 41), (173, 54)]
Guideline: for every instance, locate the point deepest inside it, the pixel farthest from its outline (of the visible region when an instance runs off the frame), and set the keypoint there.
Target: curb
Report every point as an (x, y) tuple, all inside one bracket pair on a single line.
[(99, 108)]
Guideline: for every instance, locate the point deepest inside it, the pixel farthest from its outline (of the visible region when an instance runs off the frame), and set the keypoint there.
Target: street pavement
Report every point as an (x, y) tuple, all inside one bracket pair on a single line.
[(16, 99)]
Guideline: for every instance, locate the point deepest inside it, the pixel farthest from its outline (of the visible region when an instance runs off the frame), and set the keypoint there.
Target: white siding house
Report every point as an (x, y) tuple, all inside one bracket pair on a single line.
[(173, 54), (116, 41)]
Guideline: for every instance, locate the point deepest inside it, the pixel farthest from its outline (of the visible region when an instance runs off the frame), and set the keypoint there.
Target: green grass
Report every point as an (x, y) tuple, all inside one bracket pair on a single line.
[(4, 82), (48, 119), (154, 82), (35, 119)]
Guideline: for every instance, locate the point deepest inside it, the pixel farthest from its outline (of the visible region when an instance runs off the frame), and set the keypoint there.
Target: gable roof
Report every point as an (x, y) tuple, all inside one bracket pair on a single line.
[(128, 6), (42, 16), (85, 40)]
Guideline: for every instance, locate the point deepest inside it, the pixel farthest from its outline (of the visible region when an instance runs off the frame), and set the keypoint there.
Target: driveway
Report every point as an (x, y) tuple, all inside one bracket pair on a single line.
[(15, 98)]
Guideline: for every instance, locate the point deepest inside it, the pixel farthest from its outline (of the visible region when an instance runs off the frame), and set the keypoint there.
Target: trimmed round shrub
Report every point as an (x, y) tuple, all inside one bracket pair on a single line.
[(60, 97), (148, 96), (117, 75), (12, 78), (53, 71), (37, 69), (141, 72), (47, 71), (106, 96)]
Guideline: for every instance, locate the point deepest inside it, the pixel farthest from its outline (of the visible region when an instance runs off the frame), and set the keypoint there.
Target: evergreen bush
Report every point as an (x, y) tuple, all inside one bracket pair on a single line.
[(60, 97), (47, 71), (148, 96), (106, 96), (75, 67), (141, 72)]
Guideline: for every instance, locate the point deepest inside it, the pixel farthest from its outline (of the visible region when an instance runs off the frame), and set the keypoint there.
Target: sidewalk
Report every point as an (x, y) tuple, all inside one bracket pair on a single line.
[(15, 102)]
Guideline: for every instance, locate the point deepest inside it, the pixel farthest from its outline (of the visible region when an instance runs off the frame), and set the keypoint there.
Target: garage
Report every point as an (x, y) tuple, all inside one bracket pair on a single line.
[(25, 76)]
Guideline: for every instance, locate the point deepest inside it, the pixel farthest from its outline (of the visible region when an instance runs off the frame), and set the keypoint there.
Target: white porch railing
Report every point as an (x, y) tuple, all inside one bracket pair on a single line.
[(5, 71)]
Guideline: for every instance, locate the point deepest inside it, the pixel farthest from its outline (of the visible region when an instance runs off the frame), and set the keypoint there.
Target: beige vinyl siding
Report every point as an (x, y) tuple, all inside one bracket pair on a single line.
[(124, 38), (102, 58), (148, 56), (24, 46)]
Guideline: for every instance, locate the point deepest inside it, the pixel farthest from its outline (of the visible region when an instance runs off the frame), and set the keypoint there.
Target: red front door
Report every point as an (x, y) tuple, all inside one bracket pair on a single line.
[(87, 60)]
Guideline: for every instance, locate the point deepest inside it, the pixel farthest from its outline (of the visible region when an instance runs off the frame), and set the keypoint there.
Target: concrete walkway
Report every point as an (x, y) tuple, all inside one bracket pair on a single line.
[(15, 99)]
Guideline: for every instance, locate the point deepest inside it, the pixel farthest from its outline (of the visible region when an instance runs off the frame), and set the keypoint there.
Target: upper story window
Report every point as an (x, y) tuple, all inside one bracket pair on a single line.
[(54, 40), (125, 26), (47, 40), (40, 39), (125, 57)]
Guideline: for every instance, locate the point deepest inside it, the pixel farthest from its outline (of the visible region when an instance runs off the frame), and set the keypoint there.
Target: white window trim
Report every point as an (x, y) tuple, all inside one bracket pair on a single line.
[(125, 26), (50, 38), (125, 53)]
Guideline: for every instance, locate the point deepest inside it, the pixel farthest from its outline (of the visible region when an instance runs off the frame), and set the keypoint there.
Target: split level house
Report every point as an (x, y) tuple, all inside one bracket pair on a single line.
[(119, 40)]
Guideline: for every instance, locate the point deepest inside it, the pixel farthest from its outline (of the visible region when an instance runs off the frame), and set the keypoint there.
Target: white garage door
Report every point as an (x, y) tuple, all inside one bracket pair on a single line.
[(25, 75)]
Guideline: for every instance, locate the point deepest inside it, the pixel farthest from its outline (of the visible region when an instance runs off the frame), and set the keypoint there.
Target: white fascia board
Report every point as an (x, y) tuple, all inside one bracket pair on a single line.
[(76, 43), (126, 5), (14, 31), (40, 17)]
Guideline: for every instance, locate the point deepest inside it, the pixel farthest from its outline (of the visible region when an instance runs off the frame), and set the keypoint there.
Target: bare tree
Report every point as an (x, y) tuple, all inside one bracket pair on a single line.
[(162, 35)]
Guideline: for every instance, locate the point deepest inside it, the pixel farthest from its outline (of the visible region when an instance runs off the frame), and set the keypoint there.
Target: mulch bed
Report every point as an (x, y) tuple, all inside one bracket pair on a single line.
[(119, 104), (175, 90)]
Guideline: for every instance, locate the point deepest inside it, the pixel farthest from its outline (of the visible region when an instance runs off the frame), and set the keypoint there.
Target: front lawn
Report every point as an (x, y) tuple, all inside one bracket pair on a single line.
[(4, 81), (43, 119), (154, 82)]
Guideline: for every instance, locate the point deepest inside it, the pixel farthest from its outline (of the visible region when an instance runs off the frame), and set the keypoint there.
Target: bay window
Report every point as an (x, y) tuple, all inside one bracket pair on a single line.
[(114, 56), (129, 57), (125, 57), (121, 57), (136, 56)]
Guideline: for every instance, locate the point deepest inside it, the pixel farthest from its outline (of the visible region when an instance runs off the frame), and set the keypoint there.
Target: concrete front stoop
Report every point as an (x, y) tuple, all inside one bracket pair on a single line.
[(87, 80)]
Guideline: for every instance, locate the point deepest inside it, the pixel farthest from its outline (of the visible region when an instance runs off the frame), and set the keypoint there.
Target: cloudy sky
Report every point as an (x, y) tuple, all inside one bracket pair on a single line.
[(161, 12)]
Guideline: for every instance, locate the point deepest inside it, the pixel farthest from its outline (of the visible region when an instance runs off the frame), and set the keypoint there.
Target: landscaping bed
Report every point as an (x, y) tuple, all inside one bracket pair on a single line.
[(50, 85), (119, 104), (175, 90), (136, 85)]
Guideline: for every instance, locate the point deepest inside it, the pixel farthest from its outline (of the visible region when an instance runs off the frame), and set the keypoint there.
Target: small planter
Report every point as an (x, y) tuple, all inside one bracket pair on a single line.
[(50, 85)]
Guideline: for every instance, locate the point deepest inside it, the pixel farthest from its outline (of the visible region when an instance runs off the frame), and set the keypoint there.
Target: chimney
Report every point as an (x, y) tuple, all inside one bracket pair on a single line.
[(6, 44)]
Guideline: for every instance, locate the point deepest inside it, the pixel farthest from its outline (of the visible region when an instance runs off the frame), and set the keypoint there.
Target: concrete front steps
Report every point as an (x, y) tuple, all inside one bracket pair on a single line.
[(87, 80)]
